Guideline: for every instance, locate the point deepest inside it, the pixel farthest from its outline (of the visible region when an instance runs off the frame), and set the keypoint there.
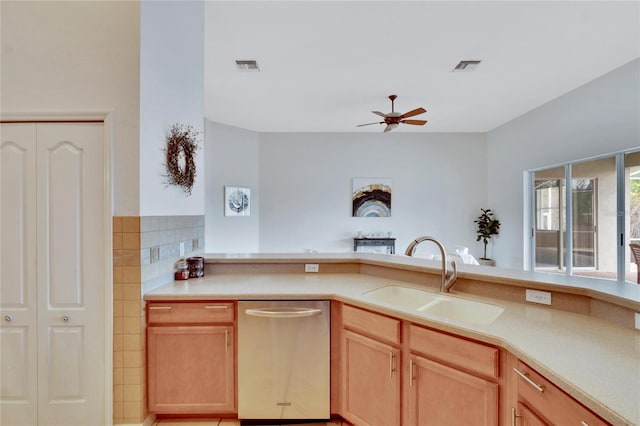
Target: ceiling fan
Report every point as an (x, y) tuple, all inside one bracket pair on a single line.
[(393, 119)]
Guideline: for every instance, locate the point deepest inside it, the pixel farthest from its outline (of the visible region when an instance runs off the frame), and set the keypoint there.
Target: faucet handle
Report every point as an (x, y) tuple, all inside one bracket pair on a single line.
[(454, 266), (451, 279)]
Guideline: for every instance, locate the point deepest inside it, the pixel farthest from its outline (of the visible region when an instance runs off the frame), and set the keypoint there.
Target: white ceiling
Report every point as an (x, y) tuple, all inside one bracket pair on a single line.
[(325, 65)]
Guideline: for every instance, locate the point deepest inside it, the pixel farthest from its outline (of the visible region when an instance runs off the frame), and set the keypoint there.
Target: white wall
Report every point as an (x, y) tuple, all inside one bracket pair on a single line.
[(77, 57), (439, 185), (232, 158), (601, 117), (171, 91)]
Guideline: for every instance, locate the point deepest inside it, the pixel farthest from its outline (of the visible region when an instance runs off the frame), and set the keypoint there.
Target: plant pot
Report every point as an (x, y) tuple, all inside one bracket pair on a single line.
[(486, 262)]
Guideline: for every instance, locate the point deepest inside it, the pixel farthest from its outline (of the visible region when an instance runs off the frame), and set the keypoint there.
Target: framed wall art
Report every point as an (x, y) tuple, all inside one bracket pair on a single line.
[(371, 197), (237, 201)]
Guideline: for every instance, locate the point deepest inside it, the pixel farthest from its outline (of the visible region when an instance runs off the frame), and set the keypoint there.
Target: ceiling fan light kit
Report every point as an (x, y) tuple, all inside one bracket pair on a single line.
[(393, 119)]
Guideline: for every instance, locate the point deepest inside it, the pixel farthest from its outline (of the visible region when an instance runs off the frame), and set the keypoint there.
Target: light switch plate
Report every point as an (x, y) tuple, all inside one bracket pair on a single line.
[(637, 321), (537, 296), (311, 267)]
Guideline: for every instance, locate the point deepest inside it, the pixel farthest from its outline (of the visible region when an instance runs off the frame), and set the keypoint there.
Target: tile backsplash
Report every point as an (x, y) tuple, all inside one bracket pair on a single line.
[(164, 240), (145, 250)]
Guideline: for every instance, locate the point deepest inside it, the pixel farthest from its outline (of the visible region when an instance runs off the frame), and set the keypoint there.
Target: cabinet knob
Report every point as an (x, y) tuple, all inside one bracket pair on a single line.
[(8, 318), (65, 318)]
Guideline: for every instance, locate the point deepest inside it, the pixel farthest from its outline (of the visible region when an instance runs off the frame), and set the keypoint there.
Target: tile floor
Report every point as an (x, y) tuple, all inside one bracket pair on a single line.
[(229, 422)]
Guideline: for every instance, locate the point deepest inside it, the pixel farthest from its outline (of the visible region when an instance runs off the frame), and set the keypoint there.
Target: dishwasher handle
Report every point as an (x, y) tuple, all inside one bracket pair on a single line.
[(283, 312)]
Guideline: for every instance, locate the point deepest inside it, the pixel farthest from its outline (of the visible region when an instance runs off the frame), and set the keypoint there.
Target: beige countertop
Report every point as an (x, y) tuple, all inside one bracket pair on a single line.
[(625, 294), (596, 362)]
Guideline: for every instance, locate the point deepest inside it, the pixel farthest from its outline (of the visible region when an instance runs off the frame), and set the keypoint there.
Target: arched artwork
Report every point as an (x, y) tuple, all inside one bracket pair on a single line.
[(371, 197)]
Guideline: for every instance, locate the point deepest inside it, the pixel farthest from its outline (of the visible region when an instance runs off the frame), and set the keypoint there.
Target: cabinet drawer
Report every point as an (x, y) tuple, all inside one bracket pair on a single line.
[(470, 356), (551, 402), (371, 324), (189, 312)]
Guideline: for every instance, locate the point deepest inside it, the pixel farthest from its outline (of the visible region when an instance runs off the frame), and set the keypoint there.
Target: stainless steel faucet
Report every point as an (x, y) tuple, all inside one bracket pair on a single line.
[(447, 281)]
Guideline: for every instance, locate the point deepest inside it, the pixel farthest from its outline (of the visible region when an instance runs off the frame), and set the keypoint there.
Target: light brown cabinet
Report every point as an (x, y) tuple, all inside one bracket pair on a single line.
[(443, 379), (441, 395), (452, 381), (191, 358), (540, 402), (387, 371), (371, 362), (371, 381)]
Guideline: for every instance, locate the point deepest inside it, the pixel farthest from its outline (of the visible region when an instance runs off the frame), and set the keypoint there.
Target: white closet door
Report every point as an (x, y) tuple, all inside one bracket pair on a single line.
[(52, 274), (71, 274), (18, 304)]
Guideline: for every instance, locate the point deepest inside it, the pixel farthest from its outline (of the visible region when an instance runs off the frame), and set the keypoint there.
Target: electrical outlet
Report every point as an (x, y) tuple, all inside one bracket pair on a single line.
[(536, 296), (154, 254), (181, 249), (637, 321), (311, 267)]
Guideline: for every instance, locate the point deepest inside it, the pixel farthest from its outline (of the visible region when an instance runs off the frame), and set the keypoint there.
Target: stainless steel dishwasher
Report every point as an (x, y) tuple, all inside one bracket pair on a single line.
[(283, 359)]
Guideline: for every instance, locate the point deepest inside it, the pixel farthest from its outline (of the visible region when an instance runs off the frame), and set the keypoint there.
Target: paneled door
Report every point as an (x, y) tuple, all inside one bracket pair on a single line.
[(442, 395), (53, 251), (371, 381), (18, 302)]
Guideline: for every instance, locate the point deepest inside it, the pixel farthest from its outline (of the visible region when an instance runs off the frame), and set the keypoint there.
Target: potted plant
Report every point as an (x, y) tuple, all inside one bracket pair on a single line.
[(487, 228)]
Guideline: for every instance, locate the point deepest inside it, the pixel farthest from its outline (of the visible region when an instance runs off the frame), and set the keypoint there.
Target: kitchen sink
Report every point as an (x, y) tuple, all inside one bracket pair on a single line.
[(406, 297), (463, 310), (437, 304)]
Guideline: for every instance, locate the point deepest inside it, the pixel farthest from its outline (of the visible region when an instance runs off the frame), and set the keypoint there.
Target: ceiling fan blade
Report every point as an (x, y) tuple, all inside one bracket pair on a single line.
[(390, 127), (369, 124), (414, 122), (411, 113), (381, 114)]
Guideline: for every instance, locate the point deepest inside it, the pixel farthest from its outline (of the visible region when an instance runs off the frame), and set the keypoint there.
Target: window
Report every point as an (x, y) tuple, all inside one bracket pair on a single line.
[(632, 206), (589, 214), (549, 223)]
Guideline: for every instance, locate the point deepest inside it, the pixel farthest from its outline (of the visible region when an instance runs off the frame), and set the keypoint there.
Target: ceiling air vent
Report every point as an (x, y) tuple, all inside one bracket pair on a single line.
[(247, 65), (466, 66)]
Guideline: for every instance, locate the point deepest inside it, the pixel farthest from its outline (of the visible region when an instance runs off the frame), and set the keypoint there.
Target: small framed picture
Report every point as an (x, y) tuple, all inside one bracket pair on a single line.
[(237, 201), (371, 197)]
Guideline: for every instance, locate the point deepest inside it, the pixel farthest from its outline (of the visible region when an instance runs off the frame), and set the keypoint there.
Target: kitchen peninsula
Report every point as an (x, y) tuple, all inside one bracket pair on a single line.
[(584, 343)]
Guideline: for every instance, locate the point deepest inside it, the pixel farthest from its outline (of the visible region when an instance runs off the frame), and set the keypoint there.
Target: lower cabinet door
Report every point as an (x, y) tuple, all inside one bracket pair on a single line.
[(370, 381), (440, 395), (191, 369), (526, 417)]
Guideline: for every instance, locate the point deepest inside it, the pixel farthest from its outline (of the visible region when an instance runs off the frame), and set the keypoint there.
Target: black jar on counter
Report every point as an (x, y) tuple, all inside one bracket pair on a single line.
[(196, 266)]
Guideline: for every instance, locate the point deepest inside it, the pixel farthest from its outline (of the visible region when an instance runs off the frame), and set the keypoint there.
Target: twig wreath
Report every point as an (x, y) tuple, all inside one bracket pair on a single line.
[(182, 144)]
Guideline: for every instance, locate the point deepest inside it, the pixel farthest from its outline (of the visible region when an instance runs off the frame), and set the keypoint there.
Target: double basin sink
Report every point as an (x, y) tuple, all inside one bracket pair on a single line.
[(438, 305)]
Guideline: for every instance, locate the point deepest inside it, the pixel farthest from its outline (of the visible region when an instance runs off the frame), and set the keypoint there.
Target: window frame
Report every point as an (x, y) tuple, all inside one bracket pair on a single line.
[(530, 215)]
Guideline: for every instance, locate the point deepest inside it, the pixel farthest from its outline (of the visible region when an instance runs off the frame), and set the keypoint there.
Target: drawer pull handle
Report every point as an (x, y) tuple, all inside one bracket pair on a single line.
[(283, 312), (583, 424), (391, 369), (514, 416), (161, 308), (526, 378), (216, 307), (8, 318), (411, 363)]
